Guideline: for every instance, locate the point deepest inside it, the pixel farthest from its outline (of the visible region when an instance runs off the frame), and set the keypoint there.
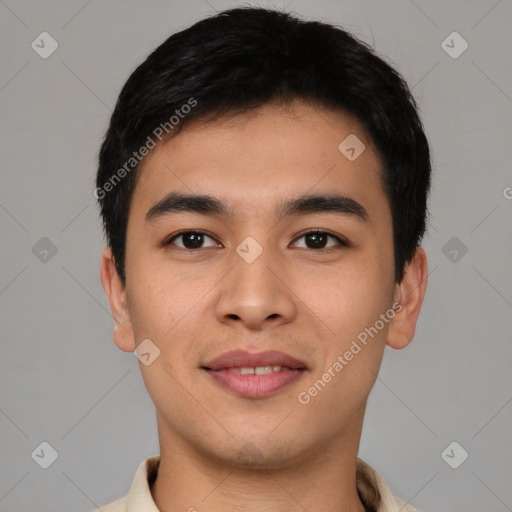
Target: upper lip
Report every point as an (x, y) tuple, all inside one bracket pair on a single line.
[(244, 359)]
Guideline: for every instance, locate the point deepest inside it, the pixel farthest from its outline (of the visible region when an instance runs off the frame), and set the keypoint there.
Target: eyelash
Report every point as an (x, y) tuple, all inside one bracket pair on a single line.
[(341, 241)]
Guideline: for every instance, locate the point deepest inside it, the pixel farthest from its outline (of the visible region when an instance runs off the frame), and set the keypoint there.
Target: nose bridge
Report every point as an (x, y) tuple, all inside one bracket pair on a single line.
[(255, 289), (252, 263)]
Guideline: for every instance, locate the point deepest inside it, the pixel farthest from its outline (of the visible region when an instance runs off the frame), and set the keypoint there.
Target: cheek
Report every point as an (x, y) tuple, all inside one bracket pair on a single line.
[(352, 297), (351, 305), (163, 292), (169, 309)]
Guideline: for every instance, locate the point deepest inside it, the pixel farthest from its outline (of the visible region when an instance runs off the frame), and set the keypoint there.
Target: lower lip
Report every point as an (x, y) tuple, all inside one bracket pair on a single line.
[(252, 385)]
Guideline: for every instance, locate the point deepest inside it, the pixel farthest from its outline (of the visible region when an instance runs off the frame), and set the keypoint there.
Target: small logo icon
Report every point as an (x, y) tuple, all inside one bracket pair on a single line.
[(454, 249), (146, 352), (44, 45), (45, 455), (454, 45), (249, 249), (249, 454), (454, 455), (351, 147), (44, 250)]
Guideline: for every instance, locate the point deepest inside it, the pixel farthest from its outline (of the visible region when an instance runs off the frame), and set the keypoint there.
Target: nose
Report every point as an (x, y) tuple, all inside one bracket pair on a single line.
[(256, 293)]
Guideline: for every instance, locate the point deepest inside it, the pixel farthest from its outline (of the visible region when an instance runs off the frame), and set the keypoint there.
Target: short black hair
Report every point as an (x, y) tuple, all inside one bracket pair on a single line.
[(243, 58)]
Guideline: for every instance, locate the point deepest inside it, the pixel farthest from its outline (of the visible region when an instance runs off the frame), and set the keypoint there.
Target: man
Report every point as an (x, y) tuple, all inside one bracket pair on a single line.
[(263, 185)]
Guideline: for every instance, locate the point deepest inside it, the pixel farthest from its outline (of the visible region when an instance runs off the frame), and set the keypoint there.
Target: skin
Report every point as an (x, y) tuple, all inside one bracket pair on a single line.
[(307, 302)]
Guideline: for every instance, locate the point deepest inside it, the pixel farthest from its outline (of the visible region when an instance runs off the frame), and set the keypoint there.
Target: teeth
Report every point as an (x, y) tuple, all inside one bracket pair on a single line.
[(259, 370), (263, 370)]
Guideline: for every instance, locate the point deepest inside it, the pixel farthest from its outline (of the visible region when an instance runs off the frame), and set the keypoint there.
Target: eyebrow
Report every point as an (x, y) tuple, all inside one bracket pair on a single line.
[(205, 204)]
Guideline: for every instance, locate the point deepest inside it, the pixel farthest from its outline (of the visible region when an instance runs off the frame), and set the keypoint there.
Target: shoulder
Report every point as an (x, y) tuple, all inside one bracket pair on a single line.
[(139, 496), (375, 493)]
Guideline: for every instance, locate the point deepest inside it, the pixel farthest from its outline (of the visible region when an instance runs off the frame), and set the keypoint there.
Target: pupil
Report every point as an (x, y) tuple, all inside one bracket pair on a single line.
[(318, 237), (193, 236)]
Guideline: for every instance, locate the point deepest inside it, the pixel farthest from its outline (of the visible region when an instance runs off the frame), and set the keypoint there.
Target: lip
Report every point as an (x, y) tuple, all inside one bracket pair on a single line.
[(252, 385), (242, 358)]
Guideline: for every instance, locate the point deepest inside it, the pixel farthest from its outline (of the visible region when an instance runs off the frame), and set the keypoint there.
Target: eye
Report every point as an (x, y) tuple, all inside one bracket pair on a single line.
[(192, 239), (317, 239)]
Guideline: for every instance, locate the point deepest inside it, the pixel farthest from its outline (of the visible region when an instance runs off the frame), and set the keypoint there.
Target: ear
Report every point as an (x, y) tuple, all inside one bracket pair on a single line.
[(114, 288), (409, 293)]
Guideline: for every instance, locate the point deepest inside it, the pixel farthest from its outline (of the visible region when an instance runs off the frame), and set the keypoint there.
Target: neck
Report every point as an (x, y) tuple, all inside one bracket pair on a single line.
[(324, 479)]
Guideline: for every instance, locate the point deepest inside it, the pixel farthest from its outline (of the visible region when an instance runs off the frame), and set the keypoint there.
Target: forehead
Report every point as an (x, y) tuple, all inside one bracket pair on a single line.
[(252, 160)]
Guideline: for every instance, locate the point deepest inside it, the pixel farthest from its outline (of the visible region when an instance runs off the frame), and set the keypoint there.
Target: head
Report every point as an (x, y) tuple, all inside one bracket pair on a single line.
[(252, 108)]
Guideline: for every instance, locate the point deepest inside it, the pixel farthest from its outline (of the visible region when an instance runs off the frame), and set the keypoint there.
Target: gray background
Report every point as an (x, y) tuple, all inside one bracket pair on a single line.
[(62, 379)]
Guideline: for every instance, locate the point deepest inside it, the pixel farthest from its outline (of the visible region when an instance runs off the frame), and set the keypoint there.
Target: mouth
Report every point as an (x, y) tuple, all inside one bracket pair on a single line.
[(254, 375)]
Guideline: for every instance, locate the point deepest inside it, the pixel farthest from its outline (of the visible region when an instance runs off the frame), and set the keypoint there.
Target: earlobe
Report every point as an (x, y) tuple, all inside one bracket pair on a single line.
[(409, 293), (123, 330)]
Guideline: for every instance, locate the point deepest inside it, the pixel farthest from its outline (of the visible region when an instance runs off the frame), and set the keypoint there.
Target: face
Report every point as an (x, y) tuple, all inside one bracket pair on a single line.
[(255, 278)]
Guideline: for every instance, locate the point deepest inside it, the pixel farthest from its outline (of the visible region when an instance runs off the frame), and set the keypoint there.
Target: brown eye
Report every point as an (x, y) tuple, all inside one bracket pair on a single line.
[(318, 240), (194, 240), (191, 240)]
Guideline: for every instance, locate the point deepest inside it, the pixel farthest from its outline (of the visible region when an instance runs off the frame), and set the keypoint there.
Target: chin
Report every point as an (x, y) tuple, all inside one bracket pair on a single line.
[(260, 453)]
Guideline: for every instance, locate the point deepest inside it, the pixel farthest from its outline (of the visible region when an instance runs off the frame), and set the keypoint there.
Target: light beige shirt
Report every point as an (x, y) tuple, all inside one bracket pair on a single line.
[(374, 492)]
